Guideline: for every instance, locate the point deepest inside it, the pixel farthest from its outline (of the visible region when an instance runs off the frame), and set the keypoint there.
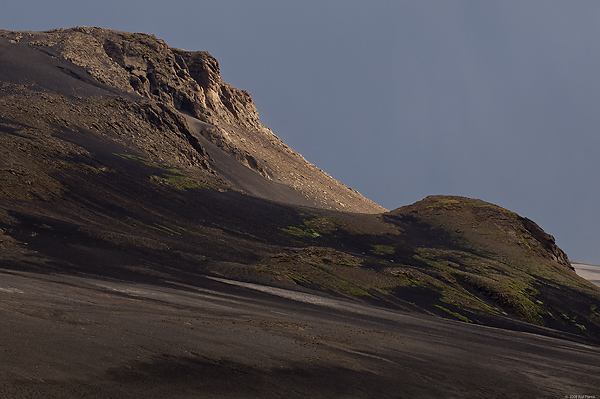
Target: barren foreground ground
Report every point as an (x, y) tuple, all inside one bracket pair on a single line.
[(74, 337), (588, 272)]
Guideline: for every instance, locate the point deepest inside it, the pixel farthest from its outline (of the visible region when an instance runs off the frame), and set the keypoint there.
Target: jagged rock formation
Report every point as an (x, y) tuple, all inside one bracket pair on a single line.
[(141, 66)]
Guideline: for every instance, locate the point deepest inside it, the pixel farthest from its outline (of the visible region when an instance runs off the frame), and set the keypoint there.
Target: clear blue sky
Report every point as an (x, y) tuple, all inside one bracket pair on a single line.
[(495, 100)]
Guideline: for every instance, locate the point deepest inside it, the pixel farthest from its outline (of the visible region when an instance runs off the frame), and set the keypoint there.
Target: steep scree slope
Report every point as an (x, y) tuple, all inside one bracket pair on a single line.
[(189, 82)]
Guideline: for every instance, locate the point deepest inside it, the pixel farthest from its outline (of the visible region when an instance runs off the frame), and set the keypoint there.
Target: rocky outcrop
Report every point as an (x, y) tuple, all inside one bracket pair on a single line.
[(546, 243), (190, 82)]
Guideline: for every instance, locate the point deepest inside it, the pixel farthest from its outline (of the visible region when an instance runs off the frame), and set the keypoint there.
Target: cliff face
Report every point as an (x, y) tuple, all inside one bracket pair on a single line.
[(171, 81)]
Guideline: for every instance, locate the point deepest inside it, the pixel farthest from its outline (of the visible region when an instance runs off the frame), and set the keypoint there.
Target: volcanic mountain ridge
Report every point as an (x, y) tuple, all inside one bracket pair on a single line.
[(128, 159)]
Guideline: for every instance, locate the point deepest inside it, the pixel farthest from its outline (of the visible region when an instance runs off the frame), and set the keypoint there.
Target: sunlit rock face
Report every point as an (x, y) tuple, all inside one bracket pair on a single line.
[(189, 82)]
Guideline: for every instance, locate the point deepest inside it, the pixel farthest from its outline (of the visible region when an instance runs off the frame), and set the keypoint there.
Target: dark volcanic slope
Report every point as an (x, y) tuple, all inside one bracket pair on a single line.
[(110, 339), (125, 162)]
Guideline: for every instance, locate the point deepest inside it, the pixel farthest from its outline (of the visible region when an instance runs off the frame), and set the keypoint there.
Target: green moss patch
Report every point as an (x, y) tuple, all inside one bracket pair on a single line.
[(455, 314), (382, 250)]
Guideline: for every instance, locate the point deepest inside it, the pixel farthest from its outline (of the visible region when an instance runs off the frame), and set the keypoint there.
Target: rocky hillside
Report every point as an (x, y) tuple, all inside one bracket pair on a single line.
[(124, 158), (183, 89)]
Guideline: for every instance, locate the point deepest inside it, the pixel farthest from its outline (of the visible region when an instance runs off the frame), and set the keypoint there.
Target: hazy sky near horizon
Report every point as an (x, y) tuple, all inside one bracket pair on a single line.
[(496, 100)]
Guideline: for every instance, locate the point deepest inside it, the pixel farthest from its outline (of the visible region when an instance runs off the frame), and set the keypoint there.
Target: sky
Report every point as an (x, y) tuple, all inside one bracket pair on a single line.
[(496, 100)]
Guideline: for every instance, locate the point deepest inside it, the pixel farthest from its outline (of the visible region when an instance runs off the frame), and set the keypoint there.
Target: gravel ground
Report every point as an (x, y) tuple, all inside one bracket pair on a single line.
[(588, 272), (72, 337)]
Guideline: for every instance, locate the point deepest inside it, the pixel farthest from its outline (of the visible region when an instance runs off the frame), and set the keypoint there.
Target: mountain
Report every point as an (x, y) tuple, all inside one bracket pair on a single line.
[(131, 172), (210, 123)]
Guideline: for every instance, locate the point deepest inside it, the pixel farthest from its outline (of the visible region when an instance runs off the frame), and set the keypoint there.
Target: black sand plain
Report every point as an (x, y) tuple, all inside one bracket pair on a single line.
[(66, 336)]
